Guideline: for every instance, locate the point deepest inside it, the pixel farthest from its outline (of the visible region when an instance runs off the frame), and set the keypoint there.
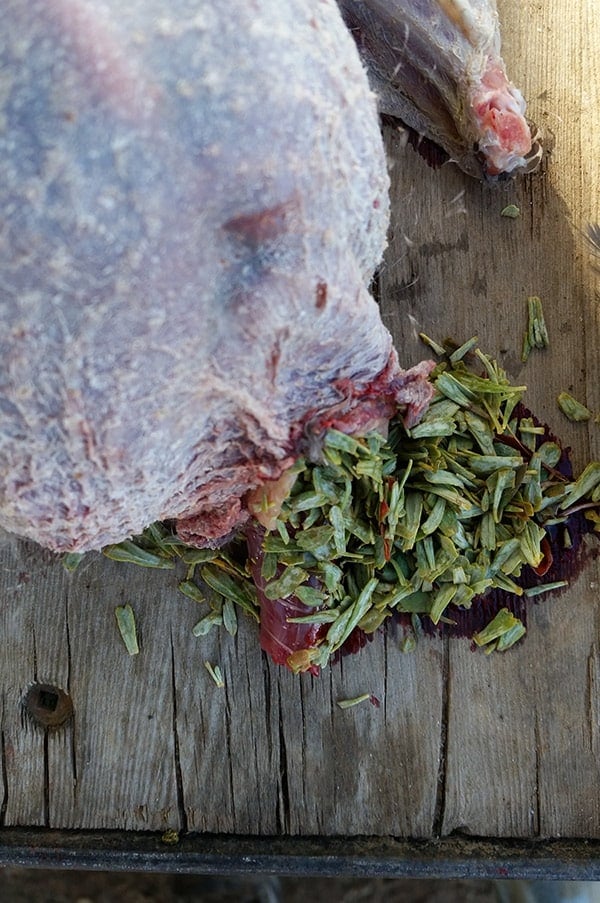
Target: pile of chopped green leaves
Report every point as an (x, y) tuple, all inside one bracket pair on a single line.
[(217, 578), (418, 522)]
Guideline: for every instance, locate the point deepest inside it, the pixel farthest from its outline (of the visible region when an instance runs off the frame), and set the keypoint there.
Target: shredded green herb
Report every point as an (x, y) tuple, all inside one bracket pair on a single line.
[(215, 673), (420, 521), (72, 560), (573, 409), (349, 703), (536, 334), (408, 643), (544, 588), (126, 624), (511, 211), (501, 633), (433, 516), (133, 553)]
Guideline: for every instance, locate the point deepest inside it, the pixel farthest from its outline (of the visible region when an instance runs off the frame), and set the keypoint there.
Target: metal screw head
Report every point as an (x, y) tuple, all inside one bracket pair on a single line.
[(48, 705)]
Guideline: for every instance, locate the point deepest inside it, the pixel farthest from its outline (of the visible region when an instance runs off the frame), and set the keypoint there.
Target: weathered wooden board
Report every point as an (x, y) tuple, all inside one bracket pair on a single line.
[(521, 747), (155, 744), (500, 746)]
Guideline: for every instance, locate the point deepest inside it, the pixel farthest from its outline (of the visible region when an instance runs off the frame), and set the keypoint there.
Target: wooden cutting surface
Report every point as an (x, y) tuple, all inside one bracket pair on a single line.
[(495, 746)]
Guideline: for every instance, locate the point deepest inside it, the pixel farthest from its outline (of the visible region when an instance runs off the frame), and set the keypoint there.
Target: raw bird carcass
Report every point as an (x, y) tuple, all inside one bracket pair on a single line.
[(194, 199), (436, 65)]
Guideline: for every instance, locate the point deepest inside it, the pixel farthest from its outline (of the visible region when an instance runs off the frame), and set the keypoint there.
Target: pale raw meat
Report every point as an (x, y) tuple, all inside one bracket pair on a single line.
[(194, 199), (436, 65)]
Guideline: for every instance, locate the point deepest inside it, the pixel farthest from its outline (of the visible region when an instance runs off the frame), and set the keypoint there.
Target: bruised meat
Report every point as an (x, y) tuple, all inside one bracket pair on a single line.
[(194, 199), (436, 65)]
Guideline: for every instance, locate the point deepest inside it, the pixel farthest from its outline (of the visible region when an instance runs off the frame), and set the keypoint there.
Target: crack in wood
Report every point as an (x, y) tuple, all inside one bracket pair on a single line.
[(68, 639), (230, 753), (255, 764), (74, 754), (267, 685), (183, 819), (283, 808), (4, 804), (45, 746), (591, 703), (303, 745), (46, 800), (68, 688), (274, 748), (35, 666), (385, 676), (440, 796), (537, 825)]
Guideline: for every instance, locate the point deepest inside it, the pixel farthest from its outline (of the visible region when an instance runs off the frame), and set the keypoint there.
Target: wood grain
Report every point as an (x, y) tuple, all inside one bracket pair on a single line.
[(522, 729), (155, 744), (500, 746)]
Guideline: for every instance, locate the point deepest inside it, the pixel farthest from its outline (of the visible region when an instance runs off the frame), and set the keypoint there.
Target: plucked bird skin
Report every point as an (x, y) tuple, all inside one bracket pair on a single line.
[(436, 65), (194, 200)]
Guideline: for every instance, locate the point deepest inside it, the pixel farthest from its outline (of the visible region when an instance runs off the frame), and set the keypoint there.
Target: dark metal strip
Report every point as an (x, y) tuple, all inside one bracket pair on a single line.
[(453, 857)]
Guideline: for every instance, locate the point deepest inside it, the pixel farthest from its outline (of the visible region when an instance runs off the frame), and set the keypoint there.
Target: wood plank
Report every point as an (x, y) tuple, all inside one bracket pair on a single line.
[(498, 746), (522, 729), (112, 766), (273, 753), (155, 744)]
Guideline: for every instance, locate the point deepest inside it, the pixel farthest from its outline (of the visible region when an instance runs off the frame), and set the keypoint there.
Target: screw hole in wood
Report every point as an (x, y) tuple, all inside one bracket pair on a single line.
[(47, 705)]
